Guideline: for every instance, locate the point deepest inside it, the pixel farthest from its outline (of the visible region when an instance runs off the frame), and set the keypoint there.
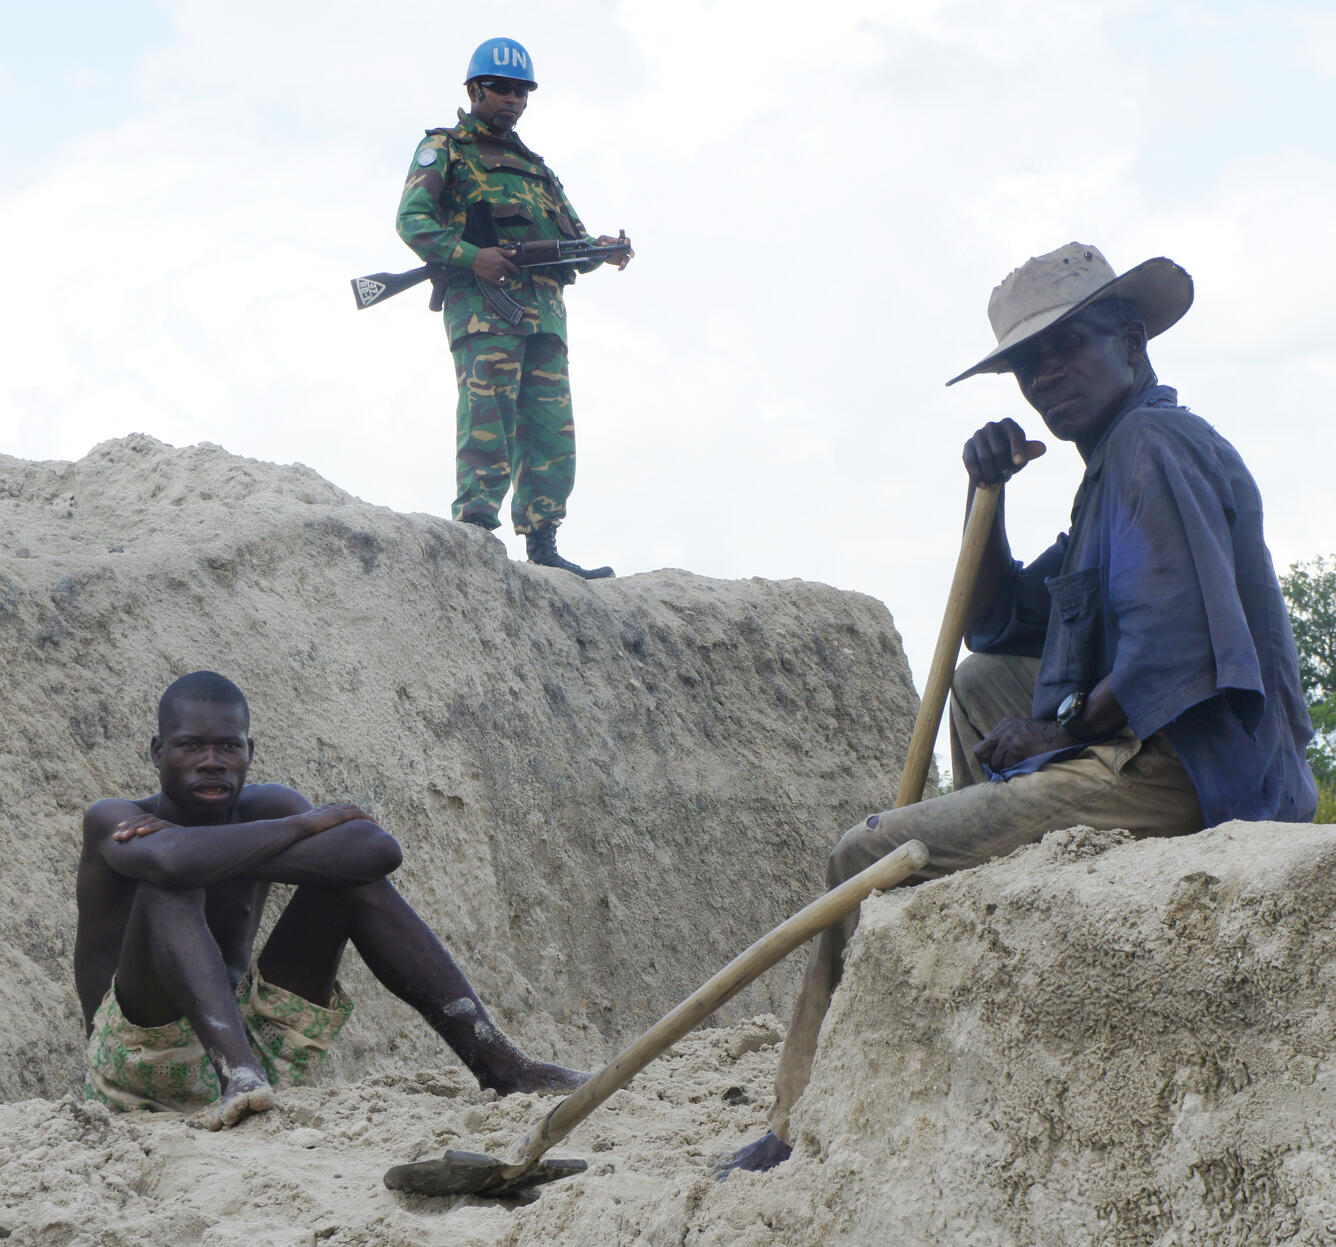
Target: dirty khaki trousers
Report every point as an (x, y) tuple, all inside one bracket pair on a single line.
[(1140, 786)]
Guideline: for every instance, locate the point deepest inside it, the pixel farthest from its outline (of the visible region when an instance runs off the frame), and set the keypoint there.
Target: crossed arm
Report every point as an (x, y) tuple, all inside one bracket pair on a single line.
[(282, 839)]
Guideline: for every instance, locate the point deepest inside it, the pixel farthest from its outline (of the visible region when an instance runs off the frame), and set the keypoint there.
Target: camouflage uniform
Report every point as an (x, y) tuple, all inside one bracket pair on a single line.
[(514, 409)]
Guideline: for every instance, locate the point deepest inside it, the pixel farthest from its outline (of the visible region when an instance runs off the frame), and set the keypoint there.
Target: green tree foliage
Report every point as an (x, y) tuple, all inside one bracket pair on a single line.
[(1310, 595)]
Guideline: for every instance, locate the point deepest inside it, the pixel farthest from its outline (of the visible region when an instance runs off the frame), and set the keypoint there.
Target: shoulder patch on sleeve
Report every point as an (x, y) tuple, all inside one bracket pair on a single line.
[(427, 156)]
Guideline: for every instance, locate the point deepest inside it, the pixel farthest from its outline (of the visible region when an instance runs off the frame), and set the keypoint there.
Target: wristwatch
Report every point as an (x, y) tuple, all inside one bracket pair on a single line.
[(1070, 719)]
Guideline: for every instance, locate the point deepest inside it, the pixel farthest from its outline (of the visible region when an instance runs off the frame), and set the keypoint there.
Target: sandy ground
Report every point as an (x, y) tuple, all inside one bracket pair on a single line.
[(1091, 1041), (556, 756), (310, 1172)]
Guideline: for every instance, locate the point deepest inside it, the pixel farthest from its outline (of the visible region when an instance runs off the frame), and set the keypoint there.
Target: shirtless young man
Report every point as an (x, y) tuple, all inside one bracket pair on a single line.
[(171, 889)]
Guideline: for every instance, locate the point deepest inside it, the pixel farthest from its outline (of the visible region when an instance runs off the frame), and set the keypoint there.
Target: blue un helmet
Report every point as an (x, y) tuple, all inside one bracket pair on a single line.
[(501, 58)]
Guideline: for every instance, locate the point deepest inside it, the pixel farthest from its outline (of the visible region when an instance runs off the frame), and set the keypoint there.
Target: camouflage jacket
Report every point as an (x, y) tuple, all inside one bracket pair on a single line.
[(470, 164)]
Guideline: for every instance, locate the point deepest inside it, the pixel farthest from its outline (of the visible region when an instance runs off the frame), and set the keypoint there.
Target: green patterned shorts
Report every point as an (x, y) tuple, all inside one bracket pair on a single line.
[(165, 1067)]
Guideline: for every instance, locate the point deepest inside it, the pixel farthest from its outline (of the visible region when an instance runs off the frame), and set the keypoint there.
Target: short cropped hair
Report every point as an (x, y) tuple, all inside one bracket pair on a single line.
[(201, 686), (1117, 313)]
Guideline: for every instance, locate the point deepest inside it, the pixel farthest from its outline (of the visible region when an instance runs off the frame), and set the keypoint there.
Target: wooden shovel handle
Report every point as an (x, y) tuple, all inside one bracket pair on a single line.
[(826, 910), (743, 969), (972, 546)]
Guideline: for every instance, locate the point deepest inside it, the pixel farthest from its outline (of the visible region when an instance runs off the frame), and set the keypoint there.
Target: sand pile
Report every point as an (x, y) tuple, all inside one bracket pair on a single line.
[(1090, 1042), (603, 790), (1093, 1041)]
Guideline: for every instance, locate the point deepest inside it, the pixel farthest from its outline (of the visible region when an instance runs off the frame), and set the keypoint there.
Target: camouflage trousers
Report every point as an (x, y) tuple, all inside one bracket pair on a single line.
[(515, 426)]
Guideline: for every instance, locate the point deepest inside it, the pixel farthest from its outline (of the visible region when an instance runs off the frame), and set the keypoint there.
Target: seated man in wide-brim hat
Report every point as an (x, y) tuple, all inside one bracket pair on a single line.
[(1138, 674)]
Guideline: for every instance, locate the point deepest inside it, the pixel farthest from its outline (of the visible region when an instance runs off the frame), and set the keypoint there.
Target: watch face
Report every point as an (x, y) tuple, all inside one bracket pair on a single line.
[(1072, 706)]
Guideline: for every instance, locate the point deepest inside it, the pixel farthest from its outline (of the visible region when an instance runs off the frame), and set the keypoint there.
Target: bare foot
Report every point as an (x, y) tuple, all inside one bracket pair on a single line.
[(767, 1152), (245, 1094), (526, 1074), (494, 1059)]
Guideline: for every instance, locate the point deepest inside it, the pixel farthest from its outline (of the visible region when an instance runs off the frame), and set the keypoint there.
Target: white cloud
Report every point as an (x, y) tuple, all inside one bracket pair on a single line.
[(820, 207)]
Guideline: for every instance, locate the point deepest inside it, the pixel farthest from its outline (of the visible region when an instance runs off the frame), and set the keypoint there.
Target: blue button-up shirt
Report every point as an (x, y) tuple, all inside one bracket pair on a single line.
[(1165, 584)]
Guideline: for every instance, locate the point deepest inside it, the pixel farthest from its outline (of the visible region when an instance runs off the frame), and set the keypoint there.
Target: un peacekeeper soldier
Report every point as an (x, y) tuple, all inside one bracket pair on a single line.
[(514, 413), (171, 888), (1141, 672)]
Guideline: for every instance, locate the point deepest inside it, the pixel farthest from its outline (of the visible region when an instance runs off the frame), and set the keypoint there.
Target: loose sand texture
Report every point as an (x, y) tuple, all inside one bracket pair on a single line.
[(604, 790), (1092, 1041)]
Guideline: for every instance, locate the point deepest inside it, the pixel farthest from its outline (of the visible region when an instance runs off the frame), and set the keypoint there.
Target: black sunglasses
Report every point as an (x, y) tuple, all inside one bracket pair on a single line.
[(504, 86)]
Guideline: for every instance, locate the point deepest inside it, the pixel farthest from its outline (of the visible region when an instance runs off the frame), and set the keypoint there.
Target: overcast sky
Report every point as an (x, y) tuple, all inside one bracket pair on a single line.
[(821, 198)]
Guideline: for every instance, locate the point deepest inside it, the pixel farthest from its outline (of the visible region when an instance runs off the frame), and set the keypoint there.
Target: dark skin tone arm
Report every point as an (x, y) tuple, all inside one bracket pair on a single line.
[(493, 264), (1077, 375), (286, 841), (335, 845), (1015, 739), (992, 457)]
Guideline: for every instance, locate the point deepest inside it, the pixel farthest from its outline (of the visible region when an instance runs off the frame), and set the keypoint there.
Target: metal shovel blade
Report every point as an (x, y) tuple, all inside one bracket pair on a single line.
[(473, 1173)]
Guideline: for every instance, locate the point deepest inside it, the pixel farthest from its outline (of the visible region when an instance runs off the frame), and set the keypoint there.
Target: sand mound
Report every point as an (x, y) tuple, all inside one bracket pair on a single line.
[(1090, 1042), (1093, 1041), (603, 790)]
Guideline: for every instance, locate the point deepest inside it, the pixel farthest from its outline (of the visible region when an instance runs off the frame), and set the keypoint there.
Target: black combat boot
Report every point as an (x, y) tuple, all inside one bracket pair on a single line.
[(542, 547)]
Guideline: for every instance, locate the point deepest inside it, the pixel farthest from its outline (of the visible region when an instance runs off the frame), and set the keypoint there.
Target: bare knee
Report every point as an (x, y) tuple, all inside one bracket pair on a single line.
[(351, 898), (156, 902)]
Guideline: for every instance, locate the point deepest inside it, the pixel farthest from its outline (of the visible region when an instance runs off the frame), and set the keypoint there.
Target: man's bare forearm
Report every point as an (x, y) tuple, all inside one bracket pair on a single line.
[(993, 456), (1017, 738), (194, 857), (354, 852), (1103, 714)]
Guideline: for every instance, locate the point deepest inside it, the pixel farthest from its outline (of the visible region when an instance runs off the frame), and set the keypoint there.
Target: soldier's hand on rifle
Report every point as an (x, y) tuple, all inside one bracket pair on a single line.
[(493, 264), (624, 257)]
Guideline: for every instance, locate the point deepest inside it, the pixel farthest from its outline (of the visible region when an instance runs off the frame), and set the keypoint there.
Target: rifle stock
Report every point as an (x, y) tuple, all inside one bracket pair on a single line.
[(376, 287)]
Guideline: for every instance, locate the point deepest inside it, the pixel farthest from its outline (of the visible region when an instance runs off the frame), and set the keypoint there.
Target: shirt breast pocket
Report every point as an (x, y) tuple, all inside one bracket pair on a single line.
[(1073, 650), (515, 215)]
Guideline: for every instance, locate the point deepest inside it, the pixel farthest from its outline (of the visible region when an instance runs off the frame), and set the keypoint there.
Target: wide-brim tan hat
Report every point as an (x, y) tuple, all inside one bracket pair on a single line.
[(1049, 288)]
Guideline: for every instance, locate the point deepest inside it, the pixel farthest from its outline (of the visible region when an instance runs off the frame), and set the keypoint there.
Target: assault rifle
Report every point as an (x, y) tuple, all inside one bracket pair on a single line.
[(546, 252)]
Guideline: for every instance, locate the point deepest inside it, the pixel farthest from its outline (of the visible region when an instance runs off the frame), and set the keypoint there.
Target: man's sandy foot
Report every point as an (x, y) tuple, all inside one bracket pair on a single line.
[(767, 1152), (527, 1075), (245, 1095)]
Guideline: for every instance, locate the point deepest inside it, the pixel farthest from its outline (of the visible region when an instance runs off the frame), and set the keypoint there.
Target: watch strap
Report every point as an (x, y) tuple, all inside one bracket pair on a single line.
[(1079, 728), (1071, 720)]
